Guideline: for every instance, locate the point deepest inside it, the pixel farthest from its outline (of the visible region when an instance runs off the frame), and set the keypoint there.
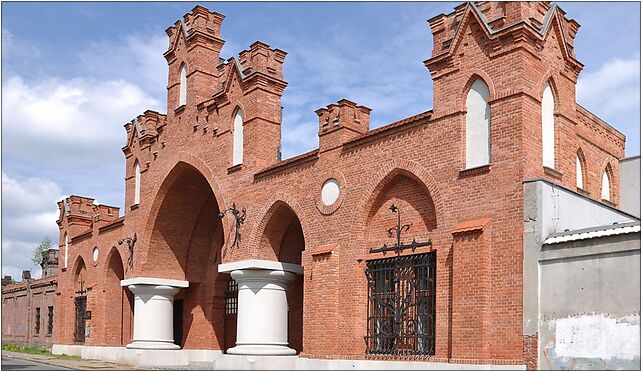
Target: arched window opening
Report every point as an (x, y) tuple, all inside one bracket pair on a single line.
[(548, 127), (136, 183), (182, 98), (237, 151), (66, 249), (606, 186), (477, 125), (579, 171)]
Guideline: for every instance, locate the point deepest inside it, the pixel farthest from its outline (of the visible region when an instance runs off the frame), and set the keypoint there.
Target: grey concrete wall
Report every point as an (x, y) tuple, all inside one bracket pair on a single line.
[(630, 185), (549, 208), (589, 304)]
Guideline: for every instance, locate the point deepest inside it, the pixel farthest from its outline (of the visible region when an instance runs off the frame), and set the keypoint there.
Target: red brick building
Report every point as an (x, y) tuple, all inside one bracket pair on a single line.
[(309, 279), (28, 307)]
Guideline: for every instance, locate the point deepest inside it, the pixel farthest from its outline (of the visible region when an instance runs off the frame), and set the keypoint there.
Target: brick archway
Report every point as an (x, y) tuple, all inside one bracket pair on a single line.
[(118, 307), (382, 179), (185, 239), (280, 237)]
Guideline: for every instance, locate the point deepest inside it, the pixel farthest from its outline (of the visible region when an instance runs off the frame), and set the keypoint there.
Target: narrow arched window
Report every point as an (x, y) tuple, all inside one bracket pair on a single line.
[(136, 183), (548, 127), (606, 186), (237, 148), (477, 125), (66, 249), (579, 171), (182, 97)]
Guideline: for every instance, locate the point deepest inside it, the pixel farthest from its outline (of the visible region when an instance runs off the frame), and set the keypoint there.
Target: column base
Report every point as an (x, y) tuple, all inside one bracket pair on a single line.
[(153, 345), (261, 350)]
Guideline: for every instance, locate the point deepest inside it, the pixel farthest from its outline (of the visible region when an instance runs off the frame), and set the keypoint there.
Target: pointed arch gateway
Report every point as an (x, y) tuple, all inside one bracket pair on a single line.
[(119, 305), (186, 237), (80, 299), (393, 282), (282, 240), (270, 288)]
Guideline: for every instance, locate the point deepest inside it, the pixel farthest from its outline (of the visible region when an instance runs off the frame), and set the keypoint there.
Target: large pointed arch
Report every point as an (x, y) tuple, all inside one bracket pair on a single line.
[(184, 240), (180, 159)]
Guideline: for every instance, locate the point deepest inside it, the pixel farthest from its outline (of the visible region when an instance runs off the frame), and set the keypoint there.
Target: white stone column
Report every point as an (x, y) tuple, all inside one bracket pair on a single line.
[(153, 312), (262, 319)]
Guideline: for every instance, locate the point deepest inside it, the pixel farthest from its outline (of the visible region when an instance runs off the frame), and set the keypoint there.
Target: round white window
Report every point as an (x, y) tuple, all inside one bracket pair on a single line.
[(330, 192), (95, 254)]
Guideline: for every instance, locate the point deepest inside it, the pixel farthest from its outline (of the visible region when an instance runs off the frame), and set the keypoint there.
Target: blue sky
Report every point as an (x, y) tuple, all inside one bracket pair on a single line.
[(74, 73)]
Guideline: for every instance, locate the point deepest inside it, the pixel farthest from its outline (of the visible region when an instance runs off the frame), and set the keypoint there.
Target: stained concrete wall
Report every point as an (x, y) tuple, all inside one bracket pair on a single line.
[(589, 290), (630, 185), (589, 304), (550, 208)]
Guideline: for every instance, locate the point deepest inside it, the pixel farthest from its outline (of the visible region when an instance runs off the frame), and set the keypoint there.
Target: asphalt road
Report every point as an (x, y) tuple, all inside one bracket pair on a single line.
[(13, 364)]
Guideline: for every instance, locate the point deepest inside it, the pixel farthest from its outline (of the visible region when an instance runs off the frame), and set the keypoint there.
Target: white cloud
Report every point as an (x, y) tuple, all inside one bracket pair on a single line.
[(56, 123), (612, 88), (29, 214), (137, 59)]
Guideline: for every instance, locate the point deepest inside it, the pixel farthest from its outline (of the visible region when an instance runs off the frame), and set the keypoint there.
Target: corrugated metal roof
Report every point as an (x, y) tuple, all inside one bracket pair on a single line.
[(593, 232)]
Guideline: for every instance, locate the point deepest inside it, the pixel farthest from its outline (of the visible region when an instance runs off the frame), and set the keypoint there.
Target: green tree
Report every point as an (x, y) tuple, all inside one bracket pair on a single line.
[(40, 252)]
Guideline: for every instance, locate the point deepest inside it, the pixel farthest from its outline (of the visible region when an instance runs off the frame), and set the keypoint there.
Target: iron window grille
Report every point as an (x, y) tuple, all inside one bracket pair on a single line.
[(231, 298), (37, 320), (401, 306), (50, 314)]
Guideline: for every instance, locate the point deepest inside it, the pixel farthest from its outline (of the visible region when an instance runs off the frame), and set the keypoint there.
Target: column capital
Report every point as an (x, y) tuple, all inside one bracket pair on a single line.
[(154, 282), (260, 265)]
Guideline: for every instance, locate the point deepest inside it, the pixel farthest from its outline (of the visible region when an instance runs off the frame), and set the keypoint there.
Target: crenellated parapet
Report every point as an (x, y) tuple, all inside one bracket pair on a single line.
[(514, 25), (340, 122), (200, 26)]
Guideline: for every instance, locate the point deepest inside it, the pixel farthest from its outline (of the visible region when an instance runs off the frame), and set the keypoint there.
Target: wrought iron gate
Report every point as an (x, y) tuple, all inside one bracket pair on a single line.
[(81, 315), (401, 305)]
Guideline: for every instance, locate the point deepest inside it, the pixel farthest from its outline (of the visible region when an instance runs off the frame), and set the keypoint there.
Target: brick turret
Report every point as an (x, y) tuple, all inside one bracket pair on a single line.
[(341, 122), (194, 42)]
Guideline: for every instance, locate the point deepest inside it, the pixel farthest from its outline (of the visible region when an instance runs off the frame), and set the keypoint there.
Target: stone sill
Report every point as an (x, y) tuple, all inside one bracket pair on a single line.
[(582, 191), (134, 207), (474, 171), (179, 109), (234, 168), (610, 203), (553, 173)]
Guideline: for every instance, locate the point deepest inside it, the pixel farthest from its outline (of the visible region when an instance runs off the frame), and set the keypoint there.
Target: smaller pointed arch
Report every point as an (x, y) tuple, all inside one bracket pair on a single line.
[(548, 126), (79, 271), (580, 170), (182, 95), (66, 249), (477, 124), (237, 133), (136, 182), (606, 183)]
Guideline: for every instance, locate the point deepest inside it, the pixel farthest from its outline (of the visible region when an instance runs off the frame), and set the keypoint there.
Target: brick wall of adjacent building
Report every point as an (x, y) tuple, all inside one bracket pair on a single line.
[(416, 163), (20, 303)]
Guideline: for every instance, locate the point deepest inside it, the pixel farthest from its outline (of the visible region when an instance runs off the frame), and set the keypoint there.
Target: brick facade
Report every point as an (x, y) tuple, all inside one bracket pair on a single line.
[(29, 308), (473, 217)]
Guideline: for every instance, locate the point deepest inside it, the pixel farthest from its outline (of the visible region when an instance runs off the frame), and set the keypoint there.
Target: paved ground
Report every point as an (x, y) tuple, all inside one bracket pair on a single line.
[(14, 364), (33, 362)]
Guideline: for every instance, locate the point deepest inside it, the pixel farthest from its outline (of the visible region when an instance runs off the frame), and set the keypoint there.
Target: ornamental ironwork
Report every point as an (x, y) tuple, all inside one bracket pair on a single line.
[(131, 242), (81, 308), (239, 218), (397, 231), (401, 305)]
